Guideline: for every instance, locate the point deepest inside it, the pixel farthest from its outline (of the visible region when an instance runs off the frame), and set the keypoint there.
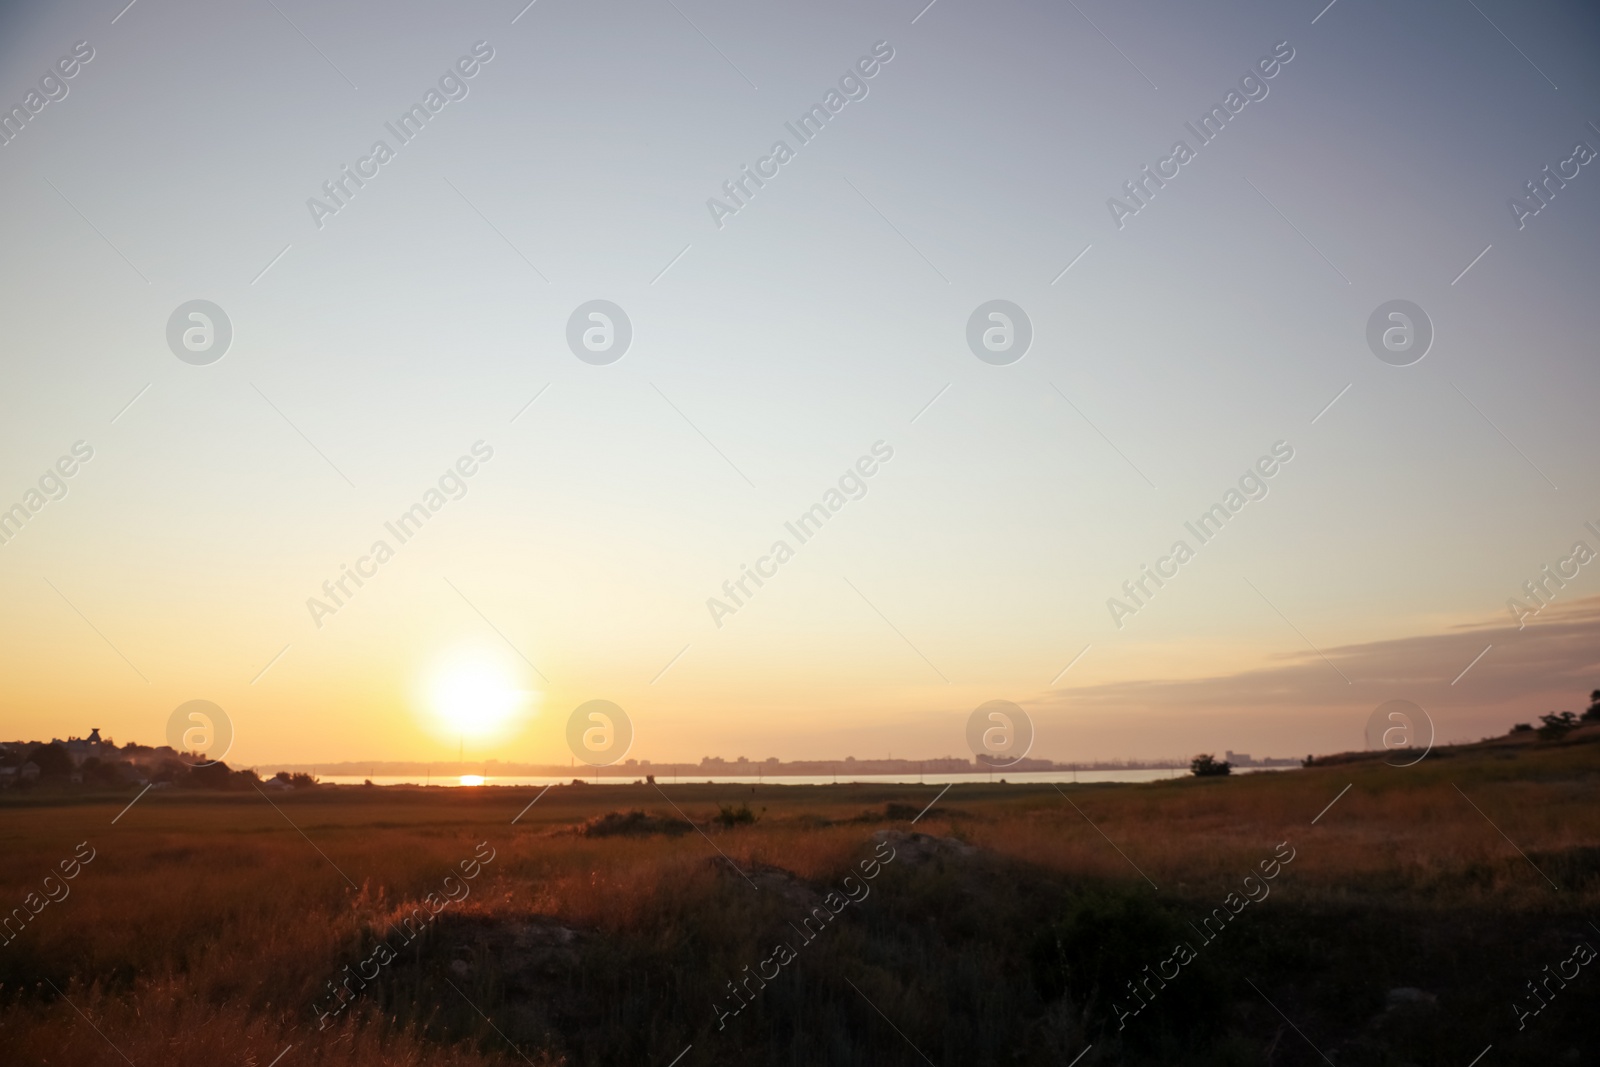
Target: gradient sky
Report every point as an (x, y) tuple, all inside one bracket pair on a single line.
[(775, 350)]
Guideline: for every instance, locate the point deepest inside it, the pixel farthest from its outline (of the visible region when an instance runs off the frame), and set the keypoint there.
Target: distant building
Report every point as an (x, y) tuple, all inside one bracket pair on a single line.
[(81, 748)]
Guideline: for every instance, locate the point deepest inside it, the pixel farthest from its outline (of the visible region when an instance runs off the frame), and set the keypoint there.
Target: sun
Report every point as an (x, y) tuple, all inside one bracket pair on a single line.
[(477, 694)]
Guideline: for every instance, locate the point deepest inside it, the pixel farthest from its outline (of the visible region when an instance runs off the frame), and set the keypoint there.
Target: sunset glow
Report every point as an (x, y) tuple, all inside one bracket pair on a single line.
[(477, 694)]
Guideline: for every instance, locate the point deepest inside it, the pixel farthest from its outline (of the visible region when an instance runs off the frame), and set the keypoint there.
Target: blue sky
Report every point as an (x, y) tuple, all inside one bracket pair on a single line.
[(772, 352)]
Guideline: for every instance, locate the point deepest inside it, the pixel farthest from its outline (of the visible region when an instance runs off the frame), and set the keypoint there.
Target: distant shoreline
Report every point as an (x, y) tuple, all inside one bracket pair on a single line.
[(1102, 776), (722, 769)]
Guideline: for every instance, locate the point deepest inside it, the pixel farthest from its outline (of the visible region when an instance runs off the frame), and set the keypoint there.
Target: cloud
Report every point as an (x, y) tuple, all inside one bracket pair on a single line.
[(1553, 662)]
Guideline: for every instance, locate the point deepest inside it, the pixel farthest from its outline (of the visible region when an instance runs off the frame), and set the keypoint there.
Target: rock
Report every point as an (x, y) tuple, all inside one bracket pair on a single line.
[(1409, 997)]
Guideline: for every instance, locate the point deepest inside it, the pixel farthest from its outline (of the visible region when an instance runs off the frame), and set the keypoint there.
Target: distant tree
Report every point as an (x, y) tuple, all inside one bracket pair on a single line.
[(1522, 728), (1592, 712), (168, 771), (1208, 766), (298, 779), (210, 776), (52, 760), (101, 772), (1556, 724)]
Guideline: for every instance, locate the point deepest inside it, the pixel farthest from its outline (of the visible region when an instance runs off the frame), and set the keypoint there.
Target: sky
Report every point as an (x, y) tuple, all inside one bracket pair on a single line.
[(784, 339)]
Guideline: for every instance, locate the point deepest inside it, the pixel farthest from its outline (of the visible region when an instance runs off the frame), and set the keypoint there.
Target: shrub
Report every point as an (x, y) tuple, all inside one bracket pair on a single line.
[(632, 824), (1207, 766), (730, 817)]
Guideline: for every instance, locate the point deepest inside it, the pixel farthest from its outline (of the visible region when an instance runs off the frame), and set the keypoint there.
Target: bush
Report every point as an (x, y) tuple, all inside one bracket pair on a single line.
[(632, 824), (1208, 766), (729, 817)]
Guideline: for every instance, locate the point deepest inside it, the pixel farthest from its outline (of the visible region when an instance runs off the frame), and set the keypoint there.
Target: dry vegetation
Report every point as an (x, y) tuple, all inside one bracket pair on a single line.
[(207, 926)]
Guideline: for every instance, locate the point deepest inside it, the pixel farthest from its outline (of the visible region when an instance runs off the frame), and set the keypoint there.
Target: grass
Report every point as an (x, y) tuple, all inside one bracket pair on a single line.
[(207, 926)]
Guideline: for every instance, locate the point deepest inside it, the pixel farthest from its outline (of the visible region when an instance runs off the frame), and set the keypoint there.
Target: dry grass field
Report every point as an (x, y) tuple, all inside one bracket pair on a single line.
[(214, 928)]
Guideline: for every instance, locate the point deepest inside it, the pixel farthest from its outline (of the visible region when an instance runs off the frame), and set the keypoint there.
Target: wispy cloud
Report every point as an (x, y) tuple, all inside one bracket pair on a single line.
[(1553, 661)]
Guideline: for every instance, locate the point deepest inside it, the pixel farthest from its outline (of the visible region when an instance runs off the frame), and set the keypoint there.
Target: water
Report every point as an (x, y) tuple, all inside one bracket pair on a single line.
[(611, 777)]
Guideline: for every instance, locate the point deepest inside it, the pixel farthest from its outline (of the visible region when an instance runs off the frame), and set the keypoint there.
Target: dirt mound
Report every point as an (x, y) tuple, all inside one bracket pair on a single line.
[(768, 879), (532, 966), (533, 946), (915, 849)]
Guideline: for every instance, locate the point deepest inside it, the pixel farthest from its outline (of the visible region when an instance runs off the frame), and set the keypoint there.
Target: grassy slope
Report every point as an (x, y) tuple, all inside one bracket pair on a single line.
[(208, 925)]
